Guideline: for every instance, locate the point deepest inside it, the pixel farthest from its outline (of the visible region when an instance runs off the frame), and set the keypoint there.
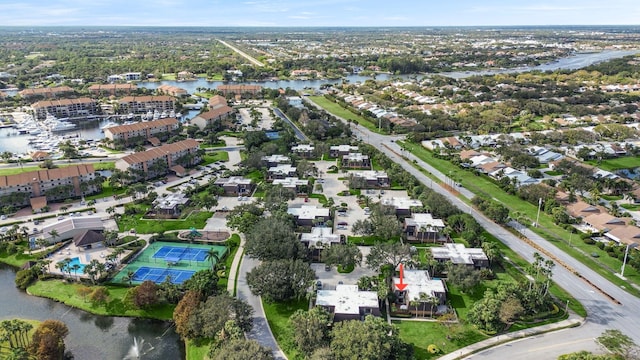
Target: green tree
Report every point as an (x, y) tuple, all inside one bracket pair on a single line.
[(186, 307), (619, 343), (389, 254), (204, 281), (145, 295), (463, 276), (242, 349), (310, 329), (281, 280), (346, 255), (210, 316), (371, 339), (273, 239)]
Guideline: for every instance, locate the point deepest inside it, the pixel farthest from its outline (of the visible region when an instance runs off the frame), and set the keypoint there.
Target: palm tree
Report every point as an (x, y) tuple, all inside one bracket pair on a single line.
[(75, 268), (54, 234), (129, 277), (213, 257)]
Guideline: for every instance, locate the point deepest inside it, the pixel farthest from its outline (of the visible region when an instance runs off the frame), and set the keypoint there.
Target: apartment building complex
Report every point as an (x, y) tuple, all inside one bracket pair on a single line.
[(65, 107), (172, 90), (162, 159), (207, 118), (112, 89), (46, 92), (56, 184), (124, 135), (144, 104), (237, 89)]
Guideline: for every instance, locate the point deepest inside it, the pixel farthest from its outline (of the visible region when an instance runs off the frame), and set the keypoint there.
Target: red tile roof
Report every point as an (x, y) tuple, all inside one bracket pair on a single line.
[(160, 152), (141, 126)]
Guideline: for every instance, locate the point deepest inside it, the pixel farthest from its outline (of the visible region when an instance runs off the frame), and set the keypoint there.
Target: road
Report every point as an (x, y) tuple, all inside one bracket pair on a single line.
[(242, 53), (299, 134), (602, 312), (261, 332)]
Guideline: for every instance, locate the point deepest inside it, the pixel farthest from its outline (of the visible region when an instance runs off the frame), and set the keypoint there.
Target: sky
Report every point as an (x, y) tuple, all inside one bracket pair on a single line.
[(295, 13)]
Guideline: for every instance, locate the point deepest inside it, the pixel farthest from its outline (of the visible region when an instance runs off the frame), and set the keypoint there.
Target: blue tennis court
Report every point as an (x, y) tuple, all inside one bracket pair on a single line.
[(171, 253), (158, 275)]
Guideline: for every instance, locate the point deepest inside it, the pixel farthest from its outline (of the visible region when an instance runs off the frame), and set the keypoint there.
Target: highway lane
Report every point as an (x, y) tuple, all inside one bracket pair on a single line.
[(602, 312), (242, 53)]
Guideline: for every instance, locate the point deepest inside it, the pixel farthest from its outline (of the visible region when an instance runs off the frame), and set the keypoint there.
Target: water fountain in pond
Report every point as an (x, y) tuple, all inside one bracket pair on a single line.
[(136, 350)]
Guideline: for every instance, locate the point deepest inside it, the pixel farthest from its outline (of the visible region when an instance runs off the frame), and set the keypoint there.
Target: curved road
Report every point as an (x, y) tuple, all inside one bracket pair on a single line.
[(602, 312)]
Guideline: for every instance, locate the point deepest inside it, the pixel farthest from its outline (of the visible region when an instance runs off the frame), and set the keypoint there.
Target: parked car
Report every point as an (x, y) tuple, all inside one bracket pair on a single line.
[(327, 267), (318, 285)]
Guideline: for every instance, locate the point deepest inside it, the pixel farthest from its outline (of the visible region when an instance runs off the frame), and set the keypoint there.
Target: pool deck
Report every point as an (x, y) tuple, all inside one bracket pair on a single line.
[(84, 256)]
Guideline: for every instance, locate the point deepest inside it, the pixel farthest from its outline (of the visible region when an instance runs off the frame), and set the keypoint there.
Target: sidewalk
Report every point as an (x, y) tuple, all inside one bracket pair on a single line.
[(231, 284), (573, 320)]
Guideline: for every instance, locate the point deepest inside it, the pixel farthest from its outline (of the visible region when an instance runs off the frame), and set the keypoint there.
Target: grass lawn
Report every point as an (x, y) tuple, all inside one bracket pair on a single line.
[(105, 165), (278, 317), (110, 150), (212, 157), (107, 191), (4, 345), (626, 162), (197, 350), (256, 175), (210, 146), (195, 219), (553, 173), (168, 77), (66, 293), (337, 110), (422, 334), (16, 260), (632, 207), (557, 235)]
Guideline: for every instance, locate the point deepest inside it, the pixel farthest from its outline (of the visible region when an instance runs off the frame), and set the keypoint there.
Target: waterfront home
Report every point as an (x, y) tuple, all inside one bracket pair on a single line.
[(158, 161), (125, 135), (239, 89), (145, 104), (64, 108)]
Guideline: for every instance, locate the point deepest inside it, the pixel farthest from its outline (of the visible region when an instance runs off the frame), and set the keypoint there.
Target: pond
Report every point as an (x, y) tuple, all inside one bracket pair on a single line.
[(91, 336)]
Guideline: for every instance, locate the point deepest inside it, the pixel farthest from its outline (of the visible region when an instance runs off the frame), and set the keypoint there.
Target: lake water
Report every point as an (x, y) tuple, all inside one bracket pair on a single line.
[(92, 337)]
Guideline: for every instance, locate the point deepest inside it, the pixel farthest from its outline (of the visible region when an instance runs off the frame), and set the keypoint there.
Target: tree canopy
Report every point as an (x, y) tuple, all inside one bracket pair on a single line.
[(281, 280)]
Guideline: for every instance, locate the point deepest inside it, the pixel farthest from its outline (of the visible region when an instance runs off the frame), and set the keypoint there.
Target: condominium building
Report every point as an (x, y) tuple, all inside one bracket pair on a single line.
[(46, 92), (65, 107), (144, 104), (207, 118), (123, 135), (112, 89), (56, 184), (160, 160), (236, 89)]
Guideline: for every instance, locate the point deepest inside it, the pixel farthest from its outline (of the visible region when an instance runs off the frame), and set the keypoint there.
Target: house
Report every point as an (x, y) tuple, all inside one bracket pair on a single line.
[(545, 156), (318, 239), (275, 160), (369, 179), (403, 205), (64, 108), (157, 161), (603, 222), (170, 205), (235, 185), (341, 150), (237, 89), (346, 302), (581, 209), (421, 227), (88, 239), (356, 161), (71, 227), (297, 186), (309, 215), (624, 235), (303, 150), (145, 104), (418, 288), (172, 90), (208, 118), (295, 101), (40, 155), (55, 184), (281, 171), (125, 135), (458, 254)]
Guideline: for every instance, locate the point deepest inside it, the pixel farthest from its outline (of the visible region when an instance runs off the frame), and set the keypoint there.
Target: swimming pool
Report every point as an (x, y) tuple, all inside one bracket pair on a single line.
[(74, 261)]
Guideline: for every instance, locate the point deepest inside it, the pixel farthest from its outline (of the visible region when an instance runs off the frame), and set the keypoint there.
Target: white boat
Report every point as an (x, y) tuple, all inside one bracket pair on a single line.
[(35, 131), (156, 115), (130, 116), (61, 126), (163, 115), (172, 114), (108, 125)]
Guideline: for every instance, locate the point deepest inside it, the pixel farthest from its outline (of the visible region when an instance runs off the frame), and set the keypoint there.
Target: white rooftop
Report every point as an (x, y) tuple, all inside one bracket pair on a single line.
[(290, 182), (355, 156), (402, 202), (424, 220), (347, 299), (308, 212), (318, 235), (302, 147), (234, 180), (370, 174), (419, 281), (170, 201), (276, 158), (72, 223), (282, 169), (343, 148), (458, 253)]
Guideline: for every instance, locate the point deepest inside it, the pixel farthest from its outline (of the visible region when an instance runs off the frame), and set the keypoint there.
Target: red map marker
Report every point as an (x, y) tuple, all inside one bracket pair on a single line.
[(401, 285)]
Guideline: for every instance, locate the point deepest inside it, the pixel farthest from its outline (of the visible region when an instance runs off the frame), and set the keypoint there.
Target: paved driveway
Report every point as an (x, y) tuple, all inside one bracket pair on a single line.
[(331, 278)]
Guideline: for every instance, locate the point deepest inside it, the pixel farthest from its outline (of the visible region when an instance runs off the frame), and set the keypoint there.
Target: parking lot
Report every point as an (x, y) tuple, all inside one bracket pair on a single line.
[(331, 278)]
